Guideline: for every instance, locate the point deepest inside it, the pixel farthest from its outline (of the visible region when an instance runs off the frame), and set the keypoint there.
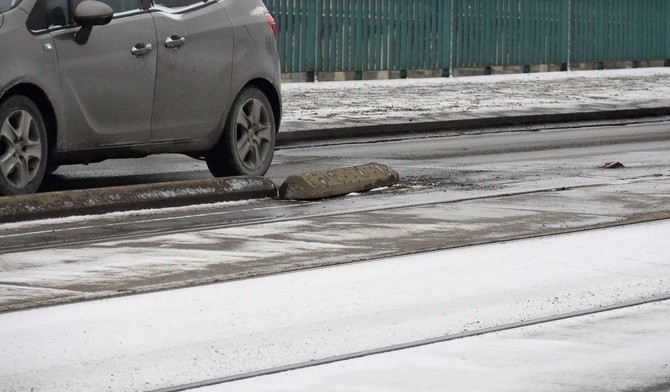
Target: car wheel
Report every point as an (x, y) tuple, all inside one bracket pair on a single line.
[(248, 141), (23, 146)]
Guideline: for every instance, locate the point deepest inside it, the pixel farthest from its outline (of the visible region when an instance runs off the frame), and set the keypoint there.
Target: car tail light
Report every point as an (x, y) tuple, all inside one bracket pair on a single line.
[(272, 23)]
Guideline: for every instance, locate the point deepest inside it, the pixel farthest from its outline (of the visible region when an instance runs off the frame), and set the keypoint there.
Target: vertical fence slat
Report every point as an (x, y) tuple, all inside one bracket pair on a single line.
[(445, 36)]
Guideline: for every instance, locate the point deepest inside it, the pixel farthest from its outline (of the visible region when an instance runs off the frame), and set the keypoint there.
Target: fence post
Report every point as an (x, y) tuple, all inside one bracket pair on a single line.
[(404, 38), (527, 35), (361, 19), (603, 33), (312, 45), (566, 34), (446, 36)]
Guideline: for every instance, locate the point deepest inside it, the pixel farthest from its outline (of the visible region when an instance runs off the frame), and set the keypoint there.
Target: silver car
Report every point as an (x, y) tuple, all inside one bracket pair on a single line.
[(85, 81)]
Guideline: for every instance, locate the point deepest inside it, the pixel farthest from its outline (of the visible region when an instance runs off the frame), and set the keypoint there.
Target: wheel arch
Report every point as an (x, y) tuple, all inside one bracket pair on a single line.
[(43, 103), (273, 96)]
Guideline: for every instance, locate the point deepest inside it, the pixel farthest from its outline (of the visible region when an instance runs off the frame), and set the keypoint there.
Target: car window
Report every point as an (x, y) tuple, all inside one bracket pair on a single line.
[(177, 4), (123, 5), (6, 5), (117, 5), (56, 12)]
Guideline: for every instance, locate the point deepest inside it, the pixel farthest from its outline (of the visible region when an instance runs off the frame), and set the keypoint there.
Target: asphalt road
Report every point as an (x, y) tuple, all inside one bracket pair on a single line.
[(487, 147), (454, 191)]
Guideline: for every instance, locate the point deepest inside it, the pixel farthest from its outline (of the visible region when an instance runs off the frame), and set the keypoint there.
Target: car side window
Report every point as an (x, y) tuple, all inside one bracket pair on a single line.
[(118, 6), (56, 12), (123, 5), (177, 4), (6, 5)]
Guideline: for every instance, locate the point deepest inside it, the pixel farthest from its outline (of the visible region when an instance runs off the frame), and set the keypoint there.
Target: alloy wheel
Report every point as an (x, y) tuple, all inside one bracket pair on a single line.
[(253, 134), (20, 148)]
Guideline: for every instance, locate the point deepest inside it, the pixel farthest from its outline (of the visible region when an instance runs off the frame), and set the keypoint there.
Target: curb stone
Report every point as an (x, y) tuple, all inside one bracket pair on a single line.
[(134, 197), (337, 182), (463, 123)]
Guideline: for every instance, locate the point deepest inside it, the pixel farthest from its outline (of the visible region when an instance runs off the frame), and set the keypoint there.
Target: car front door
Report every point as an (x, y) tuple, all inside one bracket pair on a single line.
[(108, 82), (195, 56)]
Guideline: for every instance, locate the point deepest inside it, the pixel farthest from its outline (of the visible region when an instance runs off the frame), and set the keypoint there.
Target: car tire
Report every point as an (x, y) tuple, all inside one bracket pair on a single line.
[(23, 146), (247, 144)]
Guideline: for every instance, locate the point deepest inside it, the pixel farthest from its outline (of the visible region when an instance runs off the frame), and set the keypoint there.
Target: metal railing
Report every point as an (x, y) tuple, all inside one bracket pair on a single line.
[(371, 35)]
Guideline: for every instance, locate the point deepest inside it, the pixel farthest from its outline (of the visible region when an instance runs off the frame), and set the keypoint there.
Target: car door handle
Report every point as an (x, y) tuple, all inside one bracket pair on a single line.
[(174, 41), (141, 49)]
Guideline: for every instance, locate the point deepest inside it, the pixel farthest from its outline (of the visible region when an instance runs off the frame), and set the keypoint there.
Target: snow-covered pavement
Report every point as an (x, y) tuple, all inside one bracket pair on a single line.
[(622, 350), (168, 338), (374, 102)]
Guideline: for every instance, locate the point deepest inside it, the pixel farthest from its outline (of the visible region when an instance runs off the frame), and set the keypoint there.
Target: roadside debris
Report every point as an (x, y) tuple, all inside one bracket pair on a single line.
[(337, 182), (612, 165)]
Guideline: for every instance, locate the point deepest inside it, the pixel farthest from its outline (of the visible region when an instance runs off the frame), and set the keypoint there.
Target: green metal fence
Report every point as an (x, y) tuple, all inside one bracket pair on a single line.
[(368, 35), (611, 30)]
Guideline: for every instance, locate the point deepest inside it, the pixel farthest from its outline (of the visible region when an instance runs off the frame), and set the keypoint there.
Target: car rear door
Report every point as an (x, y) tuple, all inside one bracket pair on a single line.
[(107, 83), (194, 66)]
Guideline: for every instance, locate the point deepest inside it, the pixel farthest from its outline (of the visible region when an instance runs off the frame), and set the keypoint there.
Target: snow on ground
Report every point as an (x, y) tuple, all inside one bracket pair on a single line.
[(621, 350), (397, 100), (174, 337)]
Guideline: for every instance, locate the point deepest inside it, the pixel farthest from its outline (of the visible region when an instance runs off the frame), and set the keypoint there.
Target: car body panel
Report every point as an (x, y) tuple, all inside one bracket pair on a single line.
[(256, 53), (193, 80), (27, 5), (111, 90), (30, 63)]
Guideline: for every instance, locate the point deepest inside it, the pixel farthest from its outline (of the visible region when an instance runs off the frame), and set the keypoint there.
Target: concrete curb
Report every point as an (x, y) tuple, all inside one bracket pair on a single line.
[(134, 197), (337, 182), (461, 124)]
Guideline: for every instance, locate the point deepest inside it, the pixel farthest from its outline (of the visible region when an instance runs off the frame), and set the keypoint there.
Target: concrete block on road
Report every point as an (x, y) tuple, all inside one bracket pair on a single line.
[(134, 197), (329, 183)]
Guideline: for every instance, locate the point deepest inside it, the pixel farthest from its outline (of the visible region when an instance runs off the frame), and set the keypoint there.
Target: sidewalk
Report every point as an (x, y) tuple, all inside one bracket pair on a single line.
[(342, 108)]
